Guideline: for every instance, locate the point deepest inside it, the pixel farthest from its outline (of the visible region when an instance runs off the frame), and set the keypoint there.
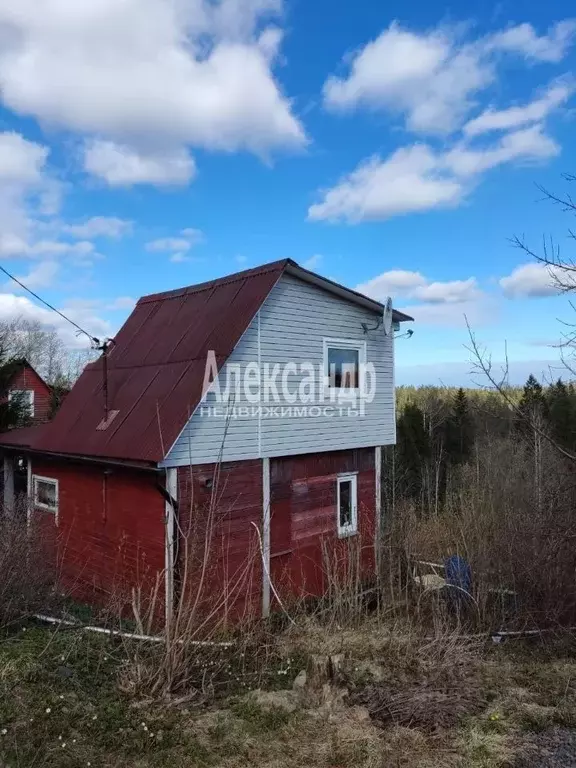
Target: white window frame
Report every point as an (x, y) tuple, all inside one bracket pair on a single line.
[(358, 346), (352, 529), (38, 504), (29, 392)]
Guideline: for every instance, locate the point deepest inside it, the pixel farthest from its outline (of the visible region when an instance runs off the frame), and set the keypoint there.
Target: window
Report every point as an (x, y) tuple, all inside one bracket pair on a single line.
[(45, 493), (347, 505), (26, 397), (343, 363)]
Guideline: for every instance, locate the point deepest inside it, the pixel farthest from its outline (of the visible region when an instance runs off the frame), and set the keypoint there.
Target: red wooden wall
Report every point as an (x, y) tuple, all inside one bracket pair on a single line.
[(109, 532), (306, 553), (27, 378), (219, 564)]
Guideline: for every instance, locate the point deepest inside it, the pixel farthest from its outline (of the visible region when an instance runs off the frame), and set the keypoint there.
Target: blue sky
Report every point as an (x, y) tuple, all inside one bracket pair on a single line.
[(149, 144)]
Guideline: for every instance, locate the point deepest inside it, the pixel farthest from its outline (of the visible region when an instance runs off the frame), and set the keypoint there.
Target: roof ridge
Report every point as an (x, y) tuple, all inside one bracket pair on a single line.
[(188, 290)]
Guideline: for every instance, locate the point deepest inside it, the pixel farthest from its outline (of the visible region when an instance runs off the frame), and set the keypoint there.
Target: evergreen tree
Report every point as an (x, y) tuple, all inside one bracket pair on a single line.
[(533, 411), (459, 430), (413, 449), (561, 407), (532, 396)]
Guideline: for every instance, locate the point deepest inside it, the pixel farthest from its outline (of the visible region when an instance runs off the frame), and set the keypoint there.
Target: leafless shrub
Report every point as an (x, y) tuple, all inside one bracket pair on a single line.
[(26, 578), (509, 514)]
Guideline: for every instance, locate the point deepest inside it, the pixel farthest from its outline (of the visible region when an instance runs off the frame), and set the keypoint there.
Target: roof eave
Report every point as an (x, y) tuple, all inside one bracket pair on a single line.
[(339, 290)]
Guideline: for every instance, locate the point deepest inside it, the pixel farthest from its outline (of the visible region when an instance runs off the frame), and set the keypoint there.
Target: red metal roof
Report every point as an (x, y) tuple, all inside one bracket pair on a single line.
[(156, 369), (156, 366), (23, 437)]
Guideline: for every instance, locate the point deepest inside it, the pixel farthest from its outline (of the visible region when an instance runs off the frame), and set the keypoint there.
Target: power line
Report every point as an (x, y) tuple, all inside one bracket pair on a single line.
[(93, 339)]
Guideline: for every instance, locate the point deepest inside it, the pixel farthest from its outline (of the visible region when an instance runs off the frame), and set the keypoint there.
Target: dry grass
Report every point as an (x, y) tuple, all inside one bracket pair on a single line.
[(25, 576), (61, 705)]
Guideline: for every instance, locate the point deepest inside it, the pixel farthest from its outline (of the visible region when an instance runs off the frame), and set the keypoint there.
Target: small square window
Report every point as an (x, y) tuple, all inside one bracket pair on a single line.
[(347, 505), (26, 397), (45, 493), (343, 362)]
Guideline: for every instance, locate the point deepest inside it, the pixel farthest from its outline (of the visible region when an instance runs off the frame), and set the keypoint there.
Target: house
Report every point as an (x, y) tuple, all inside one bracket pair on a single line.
[(37, 394), (228, 443)]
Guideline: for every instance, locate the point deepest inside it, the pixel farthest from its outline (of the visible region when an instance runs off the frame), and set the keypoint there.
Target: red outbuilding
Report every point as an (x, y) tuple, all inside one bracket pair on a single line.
[(36, 393), (226, 450)]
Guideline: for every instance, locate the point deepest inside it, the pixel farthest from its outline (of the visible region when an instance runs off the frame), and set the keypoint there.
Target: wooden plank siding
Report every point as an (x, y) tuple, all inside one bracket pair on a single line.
[(108, 534), (218, 561), (27, 379), (306, 553), (290, 327)]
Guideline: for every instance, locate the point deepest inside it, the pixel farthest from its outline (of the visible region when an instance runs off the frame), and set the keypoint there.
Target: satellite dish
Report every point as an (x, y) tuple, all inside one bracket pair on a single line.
[(387, 316)]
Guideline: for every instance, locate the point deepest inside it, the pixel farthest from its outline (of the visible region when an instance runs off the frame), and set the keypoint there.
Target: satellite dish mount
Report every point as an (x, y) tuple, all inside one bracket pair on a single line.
[(387, 317)]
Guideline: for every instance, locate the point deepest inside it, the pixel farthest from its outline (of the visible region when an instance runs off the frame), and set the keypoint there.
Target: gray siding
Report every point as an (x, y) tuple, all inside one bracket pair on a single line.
[(291, 326)]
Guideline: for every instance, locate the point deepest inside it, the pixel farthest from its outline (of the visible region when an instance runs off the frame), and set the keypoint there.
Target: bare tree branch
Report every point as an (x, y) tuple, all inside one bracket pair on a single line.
[(483, 364)]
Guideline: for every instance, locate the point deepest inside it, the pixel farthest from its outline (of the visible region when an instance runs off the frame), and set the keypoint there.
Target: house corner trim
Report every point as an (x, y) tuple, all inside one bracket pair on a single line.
[(265, 537), (377, 503), (170, 529)]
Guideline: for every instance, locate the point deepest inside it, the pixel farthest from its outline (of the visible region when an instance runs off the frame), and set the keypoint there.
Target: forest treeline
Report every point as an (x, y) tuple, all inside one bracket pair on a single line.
[(440, 428)]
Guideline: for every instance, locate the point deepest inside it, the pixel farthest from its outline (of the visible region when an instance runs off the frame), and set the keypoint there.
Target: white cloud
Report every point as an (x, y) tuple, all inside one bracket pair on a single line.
[(529, 144), (179, 258), (454, 314), (409, 180), (151, 76), (122, 166), (523, 39), (40, 276), (400, 283), (13, 306), (22, 162), (122, 302), (532, 280), (432, 78), (168, 244), (451, 292), (11, 246), (99, 226), (514, 117), (192, 235), (313, 262), (395, 282), (186, 240), (438, 303), (417, 178), (427, 77)]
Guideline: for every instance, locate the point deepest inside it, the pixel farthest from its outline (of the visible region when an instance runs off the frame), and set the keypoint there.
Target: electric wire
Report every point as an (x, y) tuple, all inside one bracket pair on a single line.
[(93, 339)]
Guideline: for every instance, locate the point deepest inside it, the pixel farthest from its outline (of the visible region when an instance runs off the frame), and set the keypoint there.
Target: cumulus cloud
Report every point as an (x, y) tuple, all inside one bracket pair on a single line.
[(42, 275), (14, 306), (438, 303), (395, 282), (121, 166), (432, 78), (532, 280), (419, 178), (455, 314), (409, 180), (99, 226), (22, 162), (514, 117), (147, 78), (524, 40), (400, 283), (181, 244)]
